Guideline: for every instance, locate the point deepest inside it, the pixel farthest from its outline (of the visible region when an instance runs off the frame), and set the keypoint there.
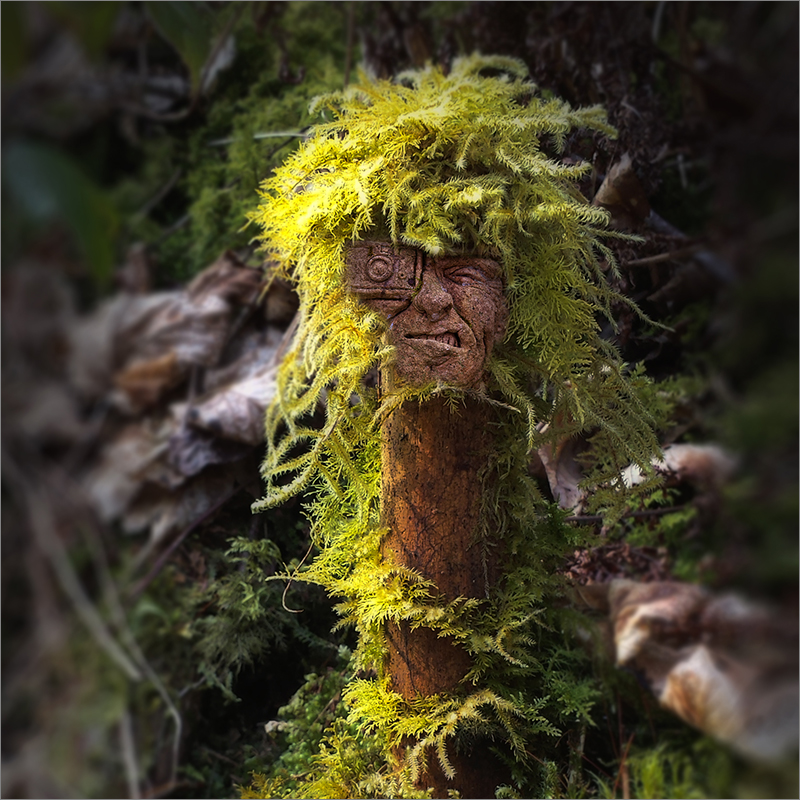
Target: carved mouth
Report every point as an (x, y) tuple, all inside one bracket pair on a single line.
[(450, 338)]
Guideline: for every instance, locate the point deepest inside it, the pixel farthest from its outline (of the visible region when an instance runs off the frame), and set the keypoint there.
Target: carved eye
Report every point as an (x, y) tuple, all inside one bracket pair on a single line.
[(380, 268), (465, 275)]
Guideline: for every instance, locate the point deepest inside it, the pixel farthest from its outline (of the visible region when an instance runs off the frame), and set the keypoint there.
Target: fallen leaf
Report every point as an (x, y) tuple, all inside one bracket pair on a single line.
[(561, 468), (146, 344), (622, 195), (227, 278), (191, 450), (707, 466), (167, 512), (722, 664), (240, 392), (563, 472), (125, 464), (144, 383)]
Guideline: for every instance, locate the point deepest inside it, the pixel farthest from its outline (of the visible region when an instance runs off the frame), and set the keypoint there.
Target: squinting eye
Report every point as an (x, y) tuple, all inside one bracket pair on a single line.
[(465, 275)]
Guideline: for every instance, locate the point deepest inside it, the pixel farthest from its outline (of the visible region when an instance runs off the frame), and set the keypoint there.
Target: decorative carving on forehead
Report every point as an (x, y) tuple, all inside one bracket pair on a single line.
[(378, 270), (445, 313)]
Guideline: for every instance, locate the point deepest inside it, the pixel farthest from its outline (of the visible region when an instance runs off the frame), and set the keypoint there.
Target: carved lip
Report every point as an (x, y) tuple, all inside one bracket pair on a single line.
[(447, 338)]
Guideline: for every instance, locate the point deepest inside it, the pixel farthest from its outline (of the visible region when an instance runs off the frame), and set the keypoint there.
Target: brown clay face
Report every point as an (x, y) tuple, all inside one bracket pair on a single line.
[(445, 314)]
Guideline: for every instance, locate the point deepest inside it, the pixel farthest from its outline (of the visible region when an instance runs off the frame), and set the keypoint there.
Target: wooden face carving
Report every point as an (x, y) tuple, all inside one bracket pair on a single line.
[(445, 314)]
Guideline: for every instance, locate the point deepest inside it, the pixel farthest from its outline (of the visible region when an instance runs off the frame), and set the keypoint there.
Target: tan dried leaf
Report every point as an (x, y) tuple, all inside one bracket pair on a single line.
[(722, 664), (707, 466), (147, 344), (131, 459), (144, 383), (166, 513), (563, 472), (621, 193), (240, 392)]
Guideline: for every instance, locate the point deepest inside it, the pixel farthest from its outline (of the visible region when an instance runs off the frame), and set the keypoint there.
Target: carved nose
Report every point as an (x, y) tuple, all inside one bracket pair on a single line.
[(432, 299)]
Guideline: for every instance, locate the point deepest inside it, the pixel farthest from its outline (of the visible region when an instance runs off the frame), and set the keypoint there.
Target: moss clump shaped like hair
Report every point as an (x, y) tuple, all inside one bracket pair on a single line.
[(448, 163)]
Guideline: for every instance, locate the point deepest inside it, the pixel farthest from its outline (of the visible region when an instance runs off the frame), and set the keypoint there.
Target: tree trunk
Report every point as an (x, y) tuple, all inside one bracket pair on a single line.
[(433, 458)]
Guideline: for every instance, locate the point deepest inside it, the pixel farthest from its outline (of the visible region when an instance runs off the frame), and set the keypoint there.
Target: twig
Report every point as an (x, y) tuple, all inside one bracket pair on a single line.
[(43, 528), (121, 620), (291, 580), (623, 773), (586, 519), (158, 196), (136, 665), (164, 557), (176, 226), (129, 755), (219, 756), (661, 257), (268, 135)]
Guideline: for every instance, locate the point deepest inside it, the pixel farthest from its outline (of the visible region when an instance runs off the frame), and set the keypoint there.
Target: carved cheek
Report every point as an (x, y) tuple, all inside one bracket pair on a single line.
[(484, 309)]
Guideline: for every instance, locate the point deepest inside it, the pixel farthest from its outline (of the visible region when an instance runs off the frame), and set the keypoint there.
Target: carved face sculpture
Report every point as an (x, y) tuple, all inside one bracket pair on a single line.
[(445, 314)]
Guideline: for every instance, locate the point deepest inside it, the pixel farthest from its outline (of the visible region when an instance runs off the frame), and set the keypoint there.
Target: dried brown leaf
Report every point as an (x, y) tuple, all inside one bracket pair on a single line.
[(146, 344), (143, 383), (622, 195), (132, 458), (722, 664), (240, 392), (166, 513), (707, 466)]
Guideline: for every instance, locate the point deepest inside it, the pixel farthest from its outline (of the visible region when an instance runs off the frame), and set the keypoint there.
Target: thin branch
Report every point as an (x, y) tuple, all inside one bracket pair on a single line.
[(673, 255), (590, 519), (129, 755), (120, 618), (159, 195), (41, 520), (268, 135)]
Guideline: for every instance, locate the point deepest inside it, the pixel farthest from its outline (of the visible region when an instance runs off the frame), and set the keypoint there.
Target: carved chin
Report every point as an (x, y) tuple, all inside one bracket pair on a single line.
[(421, 360)]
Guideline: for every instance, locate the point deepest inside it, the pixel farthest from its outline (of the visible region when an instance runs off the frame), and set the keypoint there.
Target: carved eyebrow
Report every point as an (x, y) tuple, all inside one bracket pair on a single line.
[(490, 268)]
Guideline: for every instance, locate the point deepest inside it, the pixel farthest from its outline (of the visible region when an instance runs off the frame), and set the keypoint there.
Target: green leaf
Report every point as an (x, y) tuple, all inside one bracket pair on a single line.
[(50, 186), (189, 28)]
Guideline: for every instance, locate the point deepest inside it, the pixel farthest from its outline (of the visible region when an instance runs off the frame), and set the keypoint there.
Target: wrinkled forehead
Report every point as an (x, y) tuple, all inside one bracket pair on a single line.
[(381, 270)]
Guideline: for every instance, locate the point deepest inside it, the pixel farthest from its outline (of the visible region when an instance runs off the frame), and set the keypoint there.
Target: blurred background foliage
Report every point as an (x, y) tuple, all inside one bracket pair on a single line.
[(151, 125)]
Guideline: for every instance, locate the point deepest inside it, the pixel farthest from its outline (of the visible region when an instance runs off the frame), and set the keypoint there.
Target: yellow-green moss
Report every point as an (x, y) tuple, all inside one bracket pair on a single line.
[(462, 162)]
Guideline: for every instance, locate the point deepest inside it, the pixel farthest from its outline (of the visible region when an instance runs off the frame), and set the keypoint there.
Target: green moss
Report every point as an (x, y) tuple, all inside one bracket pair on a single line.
[(397, 162)]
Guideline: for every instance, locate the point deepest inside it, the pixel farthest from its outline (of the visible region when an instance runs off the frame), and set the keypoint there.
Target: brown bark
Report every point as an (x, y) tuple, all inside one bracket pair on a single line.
[(433, 457)]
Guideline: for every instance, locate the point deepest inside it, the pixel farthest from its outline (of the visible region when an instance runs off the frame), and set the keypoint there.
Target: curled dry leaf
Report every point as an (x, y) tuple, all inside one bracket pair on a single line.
[(145, 345), (126, 463), (166, 512), (707, 466), (191, 450), (622, 195), (723, 665), (240, 392), (563, 472), (142, 383)]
